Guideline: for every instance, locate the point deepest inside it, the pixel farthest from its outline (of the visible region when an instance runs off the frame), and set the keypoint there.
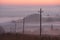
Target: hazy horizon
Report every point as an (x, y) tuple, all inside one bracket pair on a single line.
[(21, 11), (8, 14)]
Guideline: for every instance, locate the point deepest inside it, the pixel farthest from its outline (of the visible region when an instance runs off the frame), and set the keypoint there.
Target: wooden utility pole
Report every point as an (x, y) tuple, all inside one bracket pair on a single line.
[(40, 21), (14, 25), (23, 24), (51, 26)]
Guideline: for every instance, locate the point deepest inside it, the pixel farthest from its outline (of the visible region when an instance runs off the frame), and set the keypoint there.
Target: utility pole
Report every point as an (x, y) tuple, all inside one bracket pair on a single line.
[(23, 24), (51, 26), (15, 28), (14, 25), (40, 21)]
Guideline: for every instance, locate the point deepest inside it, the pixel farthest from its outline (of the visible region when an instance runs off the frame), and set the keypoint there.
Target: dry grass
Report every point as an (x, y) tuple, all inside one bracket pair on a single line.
[(9, 36)]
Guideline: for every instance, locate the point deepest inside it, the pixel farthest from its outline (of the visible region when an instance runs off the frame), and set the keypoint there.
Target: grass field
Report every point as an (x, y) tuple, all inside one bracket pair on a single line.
[(9, 36)]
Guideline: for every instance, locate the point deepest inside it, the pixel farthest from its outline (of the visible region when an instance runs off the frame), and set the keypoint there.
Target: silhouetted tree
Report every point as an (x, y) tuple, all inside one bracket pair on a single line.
[(1, 30)]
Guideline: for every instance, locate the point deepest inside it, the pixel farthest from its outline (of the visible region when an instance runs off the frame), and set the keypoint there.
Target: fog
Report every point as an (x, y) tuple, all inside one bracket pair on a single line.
[(15, 13), (22, 11)]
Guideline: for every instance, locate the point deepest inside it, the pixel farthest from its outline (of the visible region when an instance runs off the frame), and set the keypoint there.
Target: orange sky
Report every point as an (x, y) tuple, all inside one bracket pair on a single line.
[(30, 2)]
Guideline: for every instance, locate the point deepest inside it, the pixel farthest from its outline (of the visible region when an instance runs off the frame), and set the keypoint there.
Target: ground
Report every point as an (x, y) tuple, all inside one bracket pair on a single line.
[(9, 36)]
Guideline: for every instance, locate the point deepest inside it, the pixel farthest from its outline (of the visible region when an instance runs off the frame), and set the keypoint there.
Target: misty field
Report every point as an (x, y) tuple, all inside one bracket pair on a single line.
[(9, 36)]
